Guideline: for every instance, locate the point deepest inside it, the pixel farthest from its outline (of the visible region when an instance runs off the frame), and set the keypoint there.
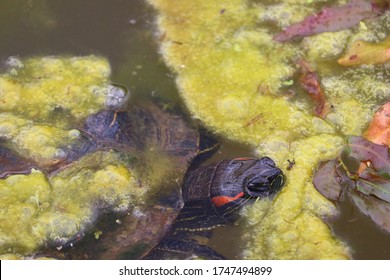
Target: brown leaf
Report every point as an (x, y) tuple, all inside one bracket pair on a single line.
[(310, 82), (366, 151), (379, 129), (327, 181)]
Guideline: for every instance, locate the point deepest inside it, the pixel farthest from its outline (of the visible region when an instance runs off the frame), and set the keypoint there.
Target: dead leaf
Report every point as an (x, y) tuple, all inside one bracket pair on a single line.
[(368, 187), (310, 82), (366, 53), (327, 181), (379, 130), (366, 151), (329, 19)]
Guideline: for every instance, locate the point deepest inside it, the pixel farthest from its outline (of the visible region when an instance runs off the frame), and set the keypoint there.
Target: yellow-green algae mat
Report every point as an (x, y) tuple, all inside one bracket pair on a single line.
[(240, 83), (36, 210)]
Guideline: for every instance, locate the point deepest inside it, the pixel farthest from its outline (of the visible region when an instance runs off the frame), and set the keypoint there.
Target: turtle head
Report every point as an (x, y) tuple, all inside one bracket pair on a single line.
[(262, 178), (247, 178)]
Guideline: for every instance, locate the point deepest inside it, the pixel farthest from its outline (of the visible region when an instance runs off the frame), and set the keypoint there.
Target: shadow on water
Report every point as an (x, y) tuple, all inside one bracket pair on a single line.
[(122, 31)]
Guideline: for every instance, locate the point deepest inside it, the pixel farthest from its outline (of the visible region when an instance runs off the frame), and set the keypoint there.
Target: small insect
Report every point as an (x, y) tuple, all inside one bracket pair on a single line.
[(291, 163)]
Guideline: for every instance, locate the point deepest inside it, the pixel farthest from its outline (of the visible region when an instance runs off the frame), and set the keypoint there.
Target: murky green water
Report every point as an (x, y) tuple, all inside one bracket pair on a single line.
[(122, 31)]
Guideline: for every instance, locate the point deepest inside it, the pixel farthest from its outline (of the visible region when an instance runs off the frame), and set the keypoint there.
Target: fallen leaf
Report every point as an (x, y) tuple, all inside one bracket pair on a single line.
[(329, 19), (379, 129), (368, 187), (366, 53), (366, 151), (310, 82), (327, 181)]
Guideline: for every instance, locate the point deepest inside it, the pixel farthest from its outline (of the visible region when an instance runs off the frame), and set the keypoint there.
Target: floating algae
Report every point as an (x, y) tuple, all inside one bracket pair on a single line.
[(40, 88), (237, 81), (37, 210)]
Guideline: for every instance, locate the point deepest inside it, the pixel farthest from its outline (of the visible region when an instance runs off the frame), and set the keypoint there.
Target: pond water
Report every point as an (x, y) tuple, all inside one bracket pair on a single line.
[(123, 32)]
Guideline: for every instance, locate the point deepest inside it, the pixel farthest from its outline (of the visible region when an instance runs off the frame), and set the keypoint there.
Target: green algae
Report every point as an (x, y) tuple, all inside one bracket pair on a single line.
[(237, 81), (39, 88), (43, 99), (23, 197), (37, 210)]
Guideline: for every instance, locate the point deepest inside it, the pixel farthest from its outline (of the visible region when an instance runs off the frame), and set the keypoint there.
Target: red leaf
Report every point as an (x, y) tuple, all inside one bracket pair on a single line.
[(329, 19), (310, 82), (379, 129)]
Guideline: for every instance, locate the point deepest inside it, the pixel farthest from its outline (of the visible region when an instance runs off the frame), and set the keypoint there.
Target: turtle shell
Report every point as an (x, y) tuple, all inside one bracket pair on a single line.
[(130, 131), (141, 128)]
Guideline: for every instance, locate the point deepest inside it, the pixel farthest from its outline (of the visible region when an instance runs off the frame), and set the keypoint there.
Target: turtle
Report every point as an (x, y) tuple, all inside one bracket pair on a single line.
[(213, 195), (132, 130), (209, 197), (141, 125)]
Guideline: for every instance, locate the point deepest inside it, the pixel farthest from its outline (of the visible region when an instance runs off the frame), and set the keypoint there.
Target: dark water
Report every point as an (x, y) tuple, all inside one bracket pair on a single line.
[(122, 31), (360, 232), (117, 29)]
